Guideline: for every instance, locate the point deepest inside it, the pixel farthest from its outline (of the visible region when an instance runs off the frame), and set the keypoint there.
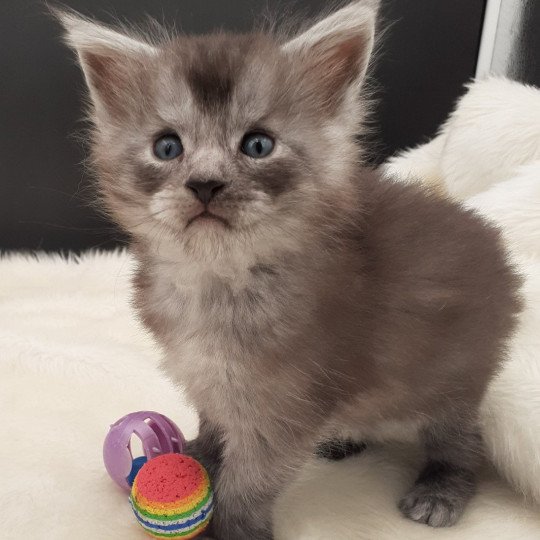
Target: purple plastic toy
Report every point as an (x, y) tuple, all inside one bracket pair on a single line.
[(158, 435)]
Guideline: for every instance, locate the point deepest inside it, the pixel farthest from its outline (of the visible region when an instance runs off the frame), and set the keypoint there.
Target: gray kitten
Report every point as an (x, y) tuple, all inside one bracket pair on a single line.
[(301, 300)]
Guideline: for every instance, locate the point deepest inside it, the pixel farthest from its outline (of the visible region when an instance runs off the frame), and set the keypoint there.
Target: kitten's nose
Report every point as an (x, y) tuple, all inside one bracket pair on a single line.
[(205, 190)]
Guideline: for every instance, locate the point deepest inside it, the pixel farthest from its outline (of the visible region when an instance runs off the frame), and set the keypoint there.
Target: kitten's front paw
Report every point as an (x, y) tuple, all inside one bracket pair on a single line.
[(436, 509)]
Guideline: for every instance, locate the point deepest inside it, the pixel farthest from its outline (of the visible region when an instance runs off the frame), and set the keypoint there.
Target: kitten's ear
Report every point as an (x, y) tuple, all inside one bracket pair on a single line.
[(112, 62), (335, 52)]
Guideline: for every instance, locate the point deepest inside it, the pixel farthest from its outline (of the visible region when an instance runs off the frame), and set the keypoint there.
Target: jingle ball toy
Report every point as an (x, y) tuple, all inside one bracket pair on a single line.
[(158, 436), (171, 495)]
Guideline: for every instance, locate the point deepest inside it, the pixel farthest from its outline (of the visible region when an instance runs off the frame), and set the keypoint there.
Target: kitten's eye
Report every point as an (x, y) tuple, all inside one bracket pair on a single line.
[(168, 147), (257, 145)]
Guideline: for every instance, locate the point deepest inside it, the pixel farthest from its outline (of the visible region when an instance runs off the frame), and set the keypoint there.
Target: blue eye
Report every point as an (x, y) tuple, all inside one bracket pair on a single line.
[(257, 145), (168, 147)]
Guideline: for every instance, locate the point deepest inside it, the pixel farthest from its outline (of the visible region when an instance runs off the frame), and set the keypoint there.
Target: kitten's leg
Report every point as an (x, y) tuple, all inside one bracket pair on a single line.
[(253, 473), (448, 481), (338, 449), (247, 474)]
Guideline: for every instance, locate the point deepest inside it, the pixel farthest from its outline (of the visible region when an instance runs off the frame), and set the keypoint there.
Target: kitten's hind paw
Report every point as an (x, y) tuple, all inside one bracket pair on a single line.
[(439, 496), (433, 510), (337, 449)]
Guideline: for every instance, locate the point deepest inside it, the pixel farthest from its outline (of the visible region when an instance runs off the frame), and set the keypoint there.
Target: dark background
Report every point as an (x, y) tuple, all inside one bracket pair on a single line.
[(429, 51), (528, 66)]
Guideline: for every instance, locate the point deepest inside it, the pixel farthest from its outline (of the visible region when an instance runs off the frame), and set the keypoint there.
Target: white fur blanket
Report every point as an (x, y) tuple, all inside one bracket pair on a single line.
[(73, 359)]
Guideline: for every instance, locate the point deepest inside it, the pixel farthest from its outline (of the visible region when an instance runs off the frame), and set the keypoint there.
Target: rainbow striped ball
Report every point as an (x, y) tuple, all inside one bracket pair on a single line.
[(171, 497)]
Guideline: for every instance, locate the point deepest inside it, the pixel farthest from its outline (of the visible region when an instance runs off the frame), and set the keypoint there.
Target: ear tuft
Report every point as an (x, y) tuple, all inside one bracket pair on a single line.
[(82, 34)]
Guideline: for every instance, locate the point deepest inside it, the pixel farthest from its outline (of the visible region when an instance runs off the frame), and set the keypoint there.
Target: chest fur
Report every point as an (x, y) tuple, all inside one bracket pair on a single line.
[(221, 331)]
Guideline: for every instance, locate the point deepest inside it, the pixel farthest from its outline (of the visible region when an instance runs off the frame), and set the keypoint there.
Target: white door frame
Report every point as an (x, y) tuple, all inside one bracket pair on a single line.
[(500, 37)]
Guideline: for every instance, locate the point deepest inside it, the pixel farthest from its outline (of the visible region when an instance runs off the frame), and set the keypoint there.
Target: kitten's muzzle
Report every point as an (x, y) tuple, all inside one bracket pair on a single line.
[(205, 190)]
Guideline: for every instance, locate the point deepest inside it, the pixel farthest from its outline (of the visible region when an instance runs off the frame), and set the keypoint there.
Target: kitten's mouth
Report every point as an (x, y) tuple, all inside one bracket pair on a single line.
[(206, 215)]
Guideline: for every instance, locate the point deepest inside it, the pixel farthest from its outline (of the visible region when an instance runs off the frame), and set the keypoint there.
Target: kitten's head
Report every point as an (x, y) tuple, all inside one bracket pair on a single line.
[(220, 141)]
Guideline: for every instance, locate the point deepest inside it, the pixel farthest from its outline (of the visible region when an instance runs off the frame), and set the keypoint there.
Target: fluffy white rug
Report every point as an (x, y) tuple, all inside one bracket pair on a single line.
[(73, 359)]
